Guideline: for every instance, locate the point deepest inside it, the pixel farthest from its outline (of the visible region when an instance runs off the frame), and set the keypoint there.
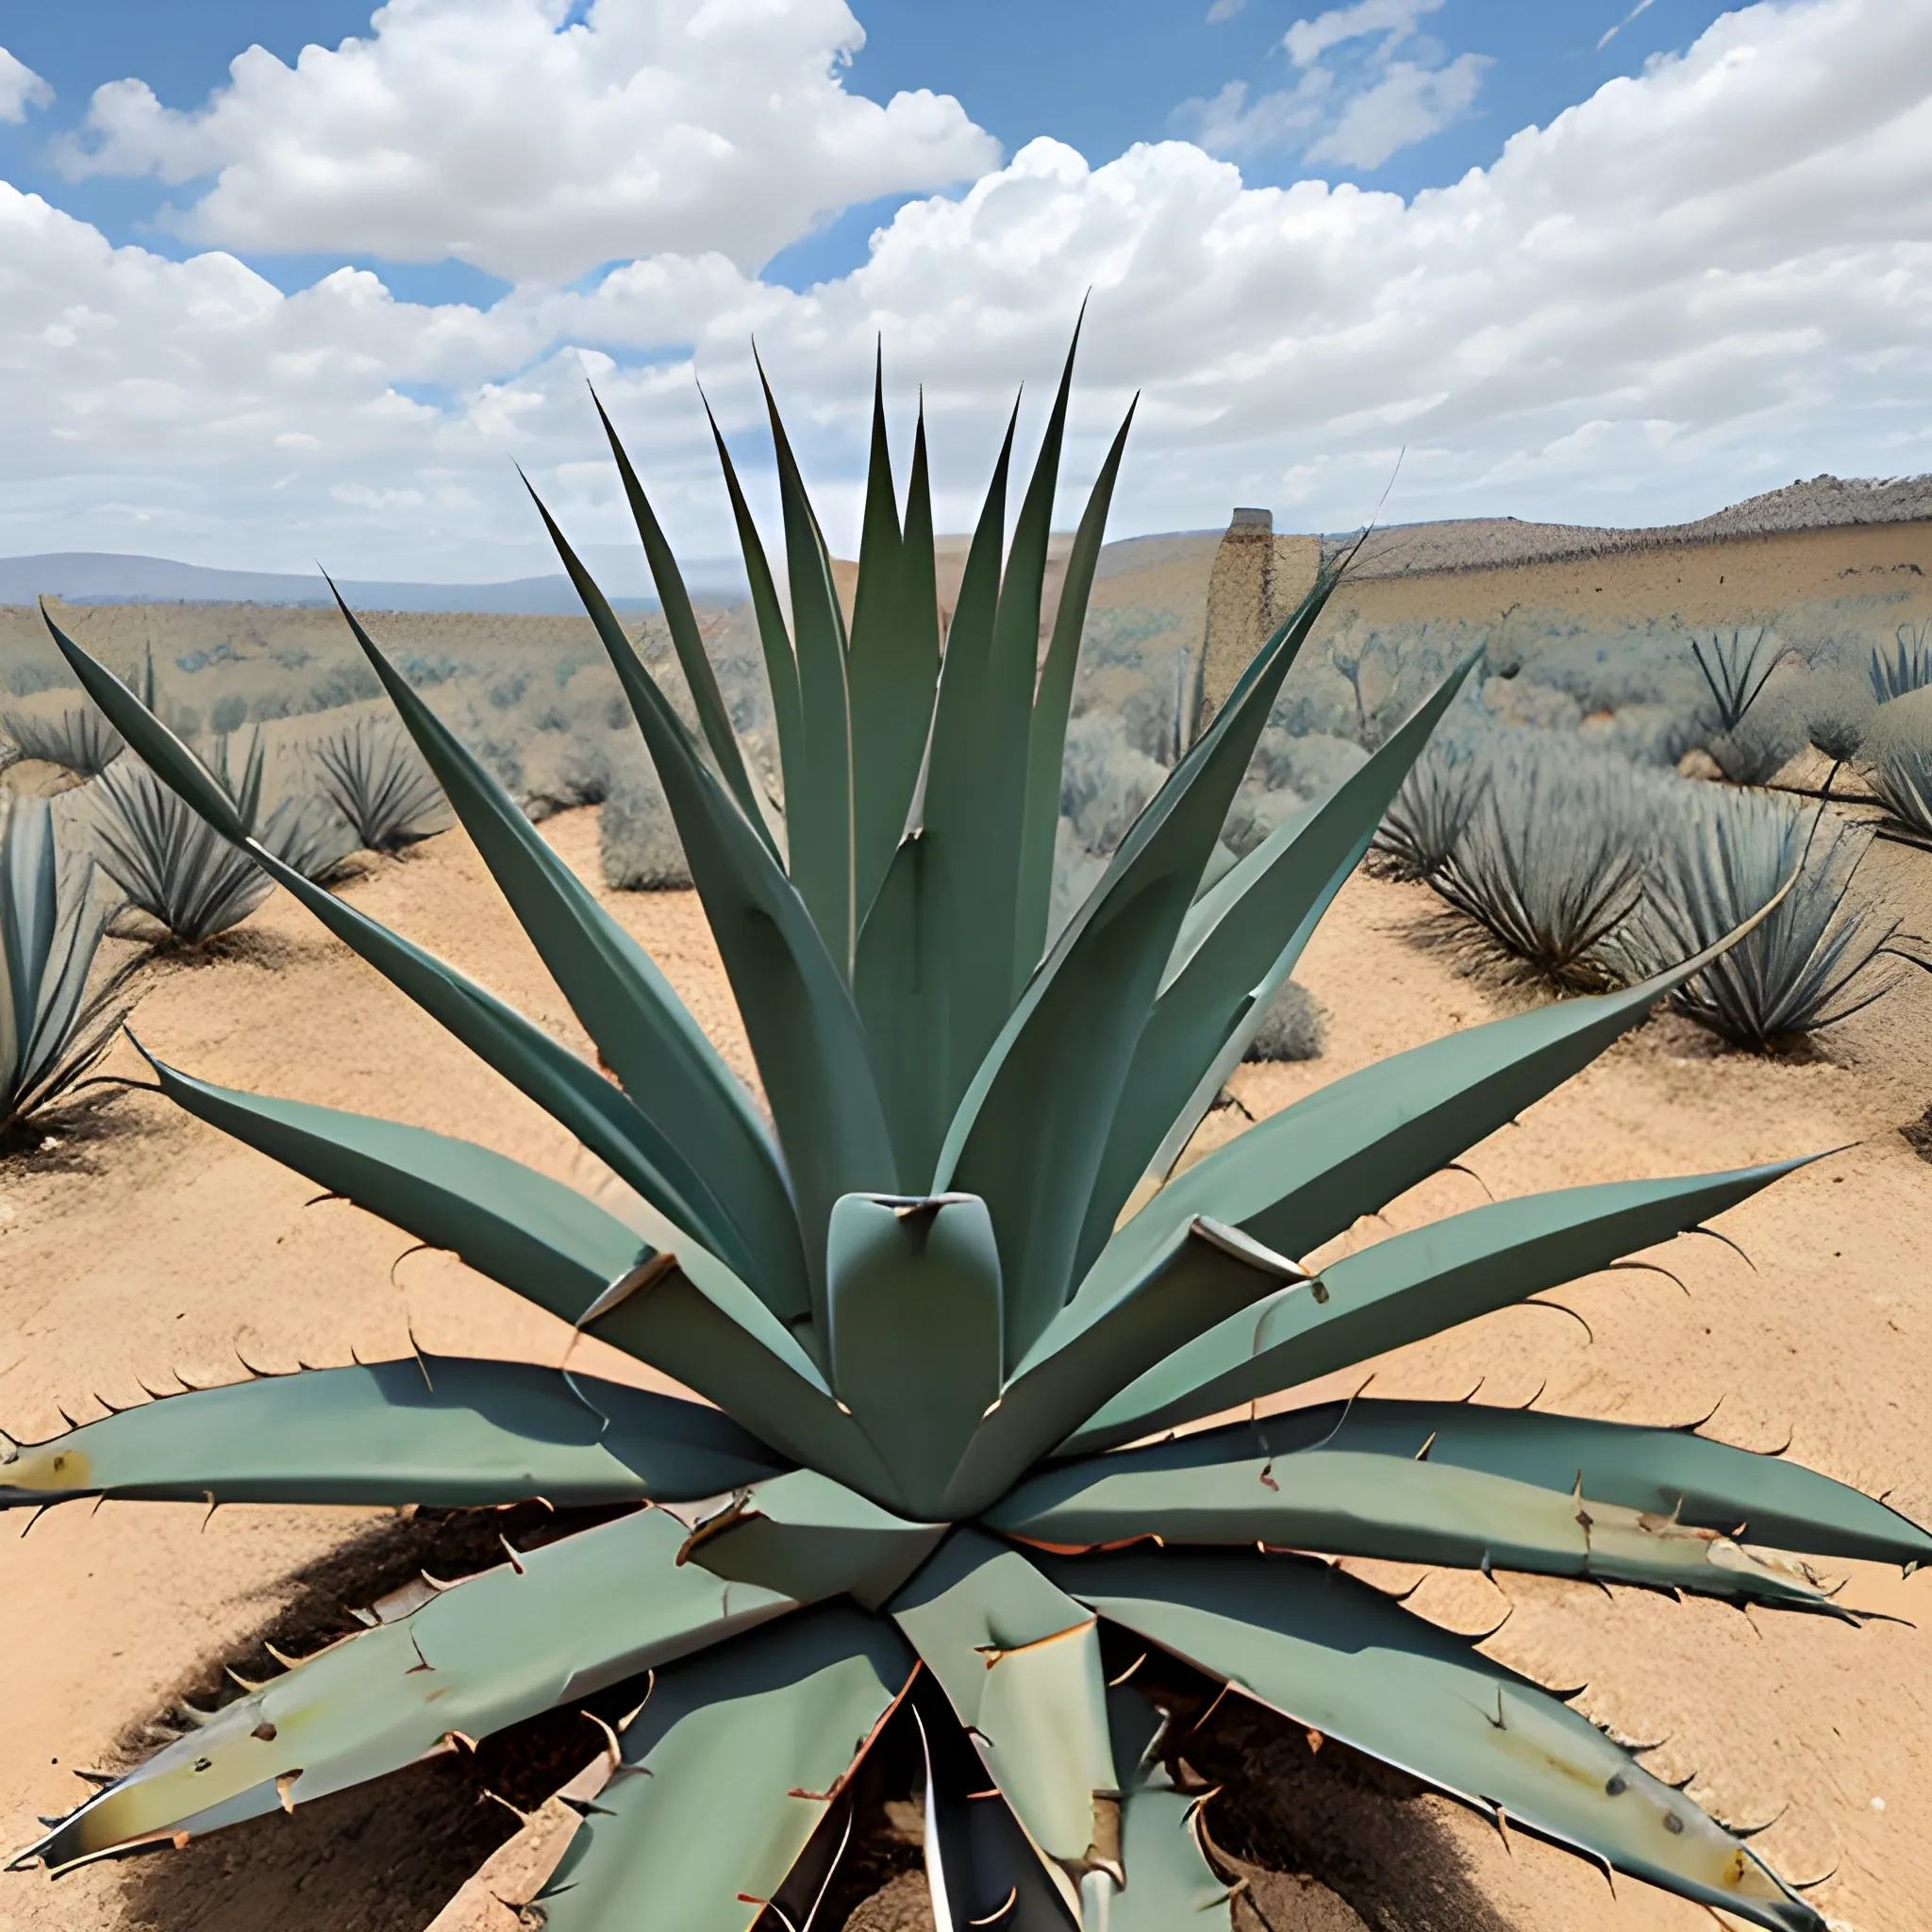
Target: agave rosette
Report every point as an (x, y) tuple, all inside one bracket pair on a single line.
[(931, 1295)]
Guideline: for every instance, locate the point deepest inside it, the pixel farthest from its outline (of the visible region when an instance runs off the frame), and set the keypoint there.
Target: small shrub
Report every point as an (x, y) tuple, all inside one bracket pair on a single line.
[(637, 840), (1104, 781), (1837, 705), (1549, 864), (1293, 1028), (377, 780), (50, 928), (79, 739), (1796, 972), (229, 714)]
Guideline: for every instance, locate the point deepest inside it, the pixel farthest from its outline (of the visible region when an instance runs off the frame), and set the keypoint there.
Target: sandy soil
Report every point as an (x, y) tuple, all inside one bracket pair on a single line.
[(139, 1243)]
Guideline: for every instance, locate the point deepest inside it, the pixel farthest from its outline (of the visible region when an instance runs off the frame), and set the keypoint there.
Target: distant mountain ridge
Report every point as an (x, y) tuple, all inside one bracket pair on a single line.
[(97, 576)]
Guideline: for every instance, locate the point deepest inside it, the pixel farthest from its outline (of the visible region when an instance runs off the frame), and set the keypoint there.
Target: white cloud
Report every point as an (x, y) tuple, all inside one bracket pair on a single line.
[(1406, 103), (1230, 124), (507, 135), (1223, 10), (1703, 281), (20, 87), (1307, 41), (1611, 33)]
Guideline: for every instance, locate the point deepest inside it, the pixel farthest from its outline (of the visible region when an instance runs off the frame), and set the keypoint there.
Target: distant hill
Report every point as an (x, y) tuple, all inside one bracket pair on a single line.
[(94, 577)]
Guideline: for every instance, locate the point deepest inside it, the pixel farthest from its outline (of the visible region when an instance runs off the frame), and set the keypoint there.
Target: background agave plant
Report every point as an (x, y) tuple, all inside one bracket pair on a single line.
[(52, 1030), (933, 1299)]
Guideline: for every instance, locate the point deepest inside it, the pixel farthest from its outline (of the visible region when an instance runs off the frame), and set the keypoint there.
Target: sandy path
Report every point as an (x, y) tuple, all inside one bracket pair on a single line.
[(161, 1244)]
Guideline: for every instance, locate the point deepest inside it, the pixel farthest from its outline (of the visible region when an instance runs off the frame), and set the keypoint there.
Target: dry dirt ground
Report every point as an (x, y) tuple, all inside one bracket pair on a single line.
[(136, 1243)]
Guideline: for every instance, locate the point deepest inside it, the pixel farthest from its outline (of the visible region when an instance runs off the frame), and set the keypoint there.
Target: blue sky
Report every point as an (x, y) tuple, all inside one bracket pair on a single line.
[(1588, 261), (1099, 75)]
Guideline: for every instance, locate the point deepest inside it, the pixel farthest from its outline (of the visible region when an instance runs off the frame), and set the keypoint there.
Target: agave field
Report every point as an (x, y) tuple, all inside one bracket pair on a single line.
[(943, 1292)]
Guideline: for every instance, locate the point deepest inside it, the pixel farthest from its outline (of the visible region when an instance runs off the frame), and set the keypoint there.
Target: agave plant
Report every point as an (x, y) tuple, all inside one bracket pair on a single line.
[(375, 779), (931, 1300), (1806, 965), (79, 739), (1909, 668), (1430, 815), (1732, 675), (1549, 863), (52, 1031), (179, 870)]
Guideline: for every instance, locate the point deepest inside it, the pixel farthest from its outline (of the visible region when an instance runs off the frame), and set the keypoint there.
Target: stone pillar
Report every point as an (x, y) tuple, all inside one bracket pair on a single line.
[(1257, 579)]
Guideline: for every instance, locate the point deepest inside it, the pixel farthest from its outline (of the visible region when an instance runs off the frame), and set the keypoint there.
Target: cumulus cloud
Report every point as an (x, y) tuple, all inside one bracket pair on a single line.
[(1704, 280), (20, 87), (508, 135)]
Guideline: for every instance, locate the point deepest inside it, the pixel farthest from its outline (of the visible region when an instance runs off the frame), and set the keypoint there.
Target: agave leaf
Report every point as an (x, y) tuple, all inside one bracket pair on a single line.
[(1263, 1483), (558, 1623), (756, 1231), (534, 1235), (1030, 1133), (1006, 713), (893, 664), (1244, 931), (798, 1012), (1414, 1285), (818, 792), (1020, 1663), (702, 681), (807, 1537), (781, 666), (1333, 1653), (1299, 1177), (698, 1322), (1170, 1881), (725, 1775), (956, 947), (449, 1430), (980, 1867), (914, 1290), (1206, 1273), (688, 1315), (1673, 1474), (1046, 741)]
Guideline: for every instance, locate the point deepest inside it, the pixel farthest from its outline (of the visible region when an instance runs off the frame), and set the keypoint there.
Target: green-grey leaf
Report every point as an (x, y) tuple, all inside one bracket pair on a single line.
[(1046, 737), (600, 1115), (1204, 1274), (1414, 1285), (781, 666), (726, 1773), (1256, 1483), (1299, 1177), (914, 1287), (1029, 1134), (560, 1622), (809, 1537), (1020, 1663), (893, 664), (798, 1012), (1334, 1655), (685, 640), (979, 1865), (448, 1430), (818, 792), (534, 1235), (643, 1029), (956, 947), (1675, 1474), (1234, 938), (1169, 1882)]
